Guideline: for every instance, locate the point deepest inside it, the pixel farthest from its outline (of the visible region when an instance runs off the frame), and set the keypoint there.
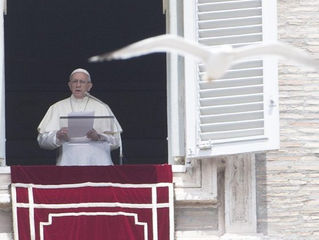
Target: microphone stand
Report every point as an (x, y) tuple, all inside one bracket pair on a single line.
[(120, 138)]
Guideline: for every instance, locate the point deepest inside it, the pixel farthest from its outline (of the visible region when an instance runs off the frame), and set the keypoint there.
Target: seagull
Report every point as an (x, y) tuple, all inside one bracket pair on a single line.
[(216, 60)]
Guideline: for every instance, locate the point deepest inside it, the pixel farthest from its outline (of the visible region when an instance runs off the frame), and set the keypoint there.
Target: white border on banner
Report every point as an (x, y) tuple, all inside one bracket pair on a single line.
[(76, 214), (31, 213), (92, 184), (154, 213), (154, 205)]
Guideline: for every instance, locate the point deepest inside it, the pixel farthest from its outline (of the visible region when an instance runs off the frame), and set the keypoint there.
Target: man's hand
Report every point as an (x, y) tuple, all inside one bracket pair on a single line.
[(62, 134), (93, 135)]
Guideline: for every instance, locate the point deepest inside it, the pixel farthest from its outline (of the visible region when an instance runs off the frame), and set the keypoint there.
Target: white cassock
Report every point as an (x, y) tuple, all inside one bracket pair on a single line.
[(88, 153)]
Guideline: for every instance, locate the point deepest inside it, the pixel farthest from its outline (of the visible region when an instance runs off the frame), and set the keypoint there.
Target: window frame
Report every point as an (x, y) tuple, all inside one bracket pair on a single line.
[(2, 88), (181, 109)]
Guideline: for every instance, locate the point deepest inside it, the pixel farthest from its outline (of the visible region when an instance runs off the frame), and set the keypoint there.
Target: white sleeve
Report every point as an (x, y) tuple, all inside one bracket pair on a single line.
[(48, 140), (113, 140)]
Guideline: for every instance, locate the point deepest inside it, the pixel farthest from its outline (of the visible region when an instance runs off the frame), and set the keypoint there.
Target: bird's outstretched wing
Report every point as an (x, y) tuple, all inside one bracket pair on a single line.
[(162, 43), (279, 49)]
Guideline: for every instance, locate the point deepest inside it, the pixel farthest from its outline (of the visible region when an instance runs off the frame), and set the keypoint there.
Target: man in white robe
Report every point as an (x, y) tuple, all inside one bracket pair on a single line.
[(103, 138)]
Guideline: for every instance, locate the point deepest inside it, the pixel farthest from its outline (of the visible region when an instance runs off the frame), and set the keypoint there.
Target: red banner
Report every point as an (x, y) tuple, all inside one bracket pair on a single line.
[(93, 203)]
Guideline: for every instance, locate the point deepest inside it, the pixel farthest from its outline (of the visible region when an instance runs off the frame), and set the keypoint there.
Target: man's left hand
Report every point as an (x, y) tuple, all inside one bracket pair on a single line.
[(93, 135)]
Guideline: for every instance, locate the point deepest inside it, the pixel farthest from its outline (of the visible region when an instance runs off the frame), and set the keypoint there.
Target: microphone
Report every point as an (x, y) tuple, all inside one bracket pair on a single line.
[(96, 99), (118, 126)]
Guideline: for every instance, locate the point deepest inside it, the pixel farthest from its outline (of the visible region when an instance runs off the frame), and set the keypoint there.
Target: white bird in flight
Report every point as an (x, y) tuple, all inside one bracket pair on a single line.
[(216, 60)]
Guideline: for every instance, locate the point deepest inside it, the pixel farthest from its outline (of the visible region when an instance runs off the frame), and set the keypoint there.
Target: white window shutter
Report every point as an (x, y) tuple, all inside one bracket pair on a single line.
[(239, 112)]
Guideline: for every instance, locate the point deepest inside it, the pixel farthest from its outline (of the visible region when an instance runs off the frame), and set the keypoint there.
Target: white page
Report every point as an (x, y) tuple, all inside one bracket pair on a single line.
[(80, 124)]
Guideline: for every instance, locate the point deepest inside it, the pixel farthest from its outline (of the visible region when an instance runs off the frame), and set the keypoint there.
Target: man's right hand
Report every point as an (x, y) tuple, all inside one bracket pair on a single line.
[(62, 134)]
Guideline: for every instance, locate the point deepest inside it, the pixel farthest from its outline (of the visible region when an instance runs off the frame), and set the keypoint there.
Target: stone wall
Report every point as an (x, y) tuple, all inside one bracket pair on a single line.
[(288, 179)]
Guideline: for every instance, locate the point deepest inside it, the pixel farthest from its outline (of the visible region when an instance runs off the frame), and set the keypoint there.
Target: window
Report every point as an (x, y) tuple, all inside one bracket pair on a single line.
[(50, 42), (239, 112)]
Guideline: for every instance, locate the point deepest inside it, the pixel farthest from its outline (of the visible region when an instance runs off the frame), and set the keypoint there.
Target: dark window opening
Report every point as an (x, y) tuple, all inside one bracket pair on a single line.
[(46, 40)]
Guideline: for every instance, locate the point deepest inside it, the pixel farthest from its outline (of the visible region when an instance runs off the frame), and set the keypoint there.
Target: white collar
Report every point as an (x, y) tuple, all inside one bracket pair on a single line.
[(79, 100)]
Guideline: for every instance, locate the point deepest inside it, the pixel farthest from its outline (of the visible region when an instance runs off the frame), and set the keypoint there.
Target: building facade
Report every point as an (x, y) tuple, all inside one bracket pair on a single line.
[(264, 195)]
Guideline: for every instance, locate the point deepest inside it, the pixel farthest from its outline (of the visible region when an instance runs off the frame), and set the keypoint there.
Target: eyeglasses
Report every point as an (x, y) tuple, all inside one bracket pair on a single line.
[(75, 81)]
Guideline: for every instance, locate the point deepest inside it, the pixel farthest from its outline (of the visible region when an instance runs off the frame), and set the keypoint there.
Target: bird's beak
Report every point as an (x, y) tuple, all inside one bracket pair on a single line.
[(101, 58), (94, 59)]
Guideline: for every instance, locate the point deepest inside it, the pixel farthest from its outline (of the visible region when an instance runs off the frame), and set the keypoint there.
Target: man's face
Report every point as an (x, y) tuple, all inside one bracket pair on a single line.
[(79, 84)]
